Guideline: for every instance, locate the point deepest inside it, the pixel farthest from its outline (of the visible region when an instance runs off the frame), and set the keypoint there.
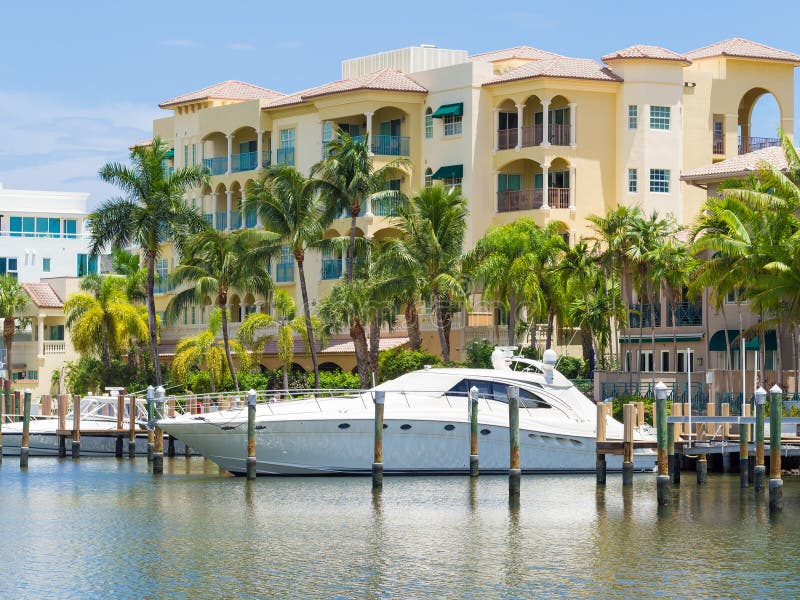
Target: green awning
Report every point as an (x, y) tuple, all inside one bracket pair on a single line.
[(449, 110), (449, 172), (719, 343), (170, 153)]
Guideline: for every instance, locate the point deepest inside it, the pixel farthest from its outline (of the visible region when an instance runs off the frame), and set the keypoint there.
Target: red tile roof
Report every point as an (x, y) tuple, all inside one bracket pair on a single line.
[(43, 295), (335, 346), (226, 90), (522, 52), (386, 79), (742, 48), (560, 67), (646, 53), (743, 164)]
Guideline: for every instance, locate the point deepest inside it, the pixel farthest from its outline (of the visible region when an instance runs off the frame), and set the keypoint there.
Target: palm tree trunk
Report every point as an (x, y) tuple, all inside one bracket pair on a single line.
[(352, 245), (8, 335), (512, 319), (309, 329), (226, 342), (151, 314), (412, 326), (106, 353), (437, 307), (374, 343), (362, 354)]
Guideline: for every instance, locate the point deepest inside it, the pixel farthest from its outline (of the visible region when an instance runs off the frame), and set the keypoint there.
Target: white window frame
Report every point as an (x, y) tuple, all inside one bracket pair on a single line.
[(450, 183), (681, 358), (660, 117), (660, 181), (664, 353), (645, 357), (633, 116), (633, 181), (428, 124), (452, 125), (428, 177)]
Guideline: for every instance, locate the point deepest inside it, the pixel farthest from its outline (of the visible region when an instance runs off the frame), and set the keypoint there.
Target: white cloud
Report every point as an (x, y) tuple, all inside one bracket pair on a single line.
[(241, 46), (180, 43), (53, 145)]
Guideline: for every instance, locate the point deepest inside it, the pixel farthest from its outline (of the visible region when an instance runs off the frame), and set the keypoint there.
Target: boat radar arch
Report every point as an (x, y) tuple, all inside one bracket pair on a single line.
[(549, 359), (500, 356)]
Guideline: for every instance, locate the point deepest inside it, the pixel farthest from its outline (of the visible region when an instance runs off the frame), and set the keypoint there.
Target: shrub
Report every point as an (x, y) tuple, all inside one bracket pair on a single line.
[(335, 380), (573, 368), (199, 382), (617, 403), (398, 361), (479, 355)]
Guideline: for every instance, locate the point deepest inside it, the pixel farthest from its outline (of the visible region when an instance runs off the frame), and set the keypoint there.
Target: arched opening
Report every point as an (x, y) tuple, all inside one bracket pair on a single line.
[(244, 155), (559, 120), (236, 205), (329, 367), (519, 186), (428, 177), (507, 125), (759, 120), (235, 308), (214, 149), (558, 184), (248, 305)]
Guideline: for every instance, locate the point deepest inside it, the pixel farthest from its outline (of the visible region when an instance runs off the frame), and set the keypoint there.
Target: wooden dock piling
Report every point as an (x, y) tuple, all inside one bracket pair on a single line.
[(251, 434), (628, 418), (662, 480), (760, 471), (514, 470), (132, 426), (120, 428), (158, 433), (377, 461), (47, 405), (672, 459), (76, 426), (600, 469), (775, 416), (473, 431), (24, 449), (17, 404), (62, 425), (701, 465)]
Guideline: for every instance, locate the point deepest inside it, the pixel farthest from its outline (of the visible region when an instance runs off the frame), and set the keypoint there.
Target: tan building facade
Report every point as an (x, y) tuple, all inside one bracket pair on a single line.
[(522, 131)]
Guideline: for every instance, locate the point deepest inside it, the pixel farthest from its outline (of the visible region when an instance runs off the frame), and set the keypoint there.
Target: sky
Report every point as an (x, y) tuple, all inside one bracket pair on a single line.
[(81, 81)]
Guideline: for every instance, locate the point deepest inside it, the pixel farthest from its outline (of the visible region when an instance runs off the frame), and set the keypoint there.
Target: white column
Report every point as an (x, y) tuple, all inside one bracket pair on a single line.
[(572, 188), (573, 122), (229, 194), (40, 323), (368, 115), (496, 129), (259, 150), (202, 153), (213, 210), (274, 146), (520, 110), (230, 153), (545, 187), (545, 122)]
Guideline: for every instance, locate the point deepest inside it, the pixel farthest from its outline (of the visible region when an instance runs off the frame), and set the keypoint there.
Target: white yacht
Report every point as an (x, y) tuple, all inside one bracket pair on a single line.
[(98, 414), (426, 426)]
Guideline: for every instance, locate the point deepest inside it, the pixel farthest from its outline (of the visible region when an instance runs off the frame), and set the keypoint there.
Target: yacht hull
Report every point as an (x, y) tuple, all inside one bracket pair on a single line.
[(46, 444)]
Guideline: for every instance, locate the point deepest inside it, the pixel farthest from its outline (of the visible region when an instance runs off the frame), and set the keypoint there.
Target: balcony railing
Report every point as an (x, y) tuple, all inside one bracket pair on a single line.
[(266, 158), (209, 217), (390, 145), (387, 207), (529, 199), (236, 220), (751, 144), (642, 315), (331, 268), (221, 220), (250, 219), (217, 165), (719, 143), (686, 314), (55, 347), (247, 161), (284, 272), (285, 156), (533, 135)]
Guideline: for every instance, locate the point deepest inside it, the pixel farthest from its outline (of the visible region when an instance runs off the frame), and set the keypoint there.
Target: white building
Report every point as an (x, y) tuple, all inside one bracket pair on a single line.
[(44, 234)]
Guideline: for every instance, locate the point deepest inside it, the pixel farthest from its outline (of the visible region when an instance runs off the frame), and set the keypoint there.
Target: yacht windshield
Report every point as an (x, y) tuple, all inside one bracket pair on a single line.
[(497, 390)]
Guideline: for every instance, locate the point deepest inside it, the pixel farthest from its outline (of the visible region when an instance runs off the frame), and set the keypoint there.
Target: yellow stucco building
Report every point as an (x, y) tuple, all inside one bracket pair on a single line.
[(524, 132)]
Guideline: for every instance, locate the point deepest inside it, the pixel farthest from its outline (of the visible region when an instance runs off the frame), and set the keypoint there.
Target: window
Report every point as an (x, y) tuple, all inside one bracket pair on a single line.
[(428, 124), (393, 185), (735, 296), (286, 148), (56, 333), (186, 156), (632, 183), (86, 264), (8, 266), (451, 182), (659, 117), (194, 315), (633, 116), (682, 361), (284, 270), (428, 177), (194, 154), (659, 180), (646, 361), (45, 265), (452, 125), (70, 228), (665, 360), (162, 272)]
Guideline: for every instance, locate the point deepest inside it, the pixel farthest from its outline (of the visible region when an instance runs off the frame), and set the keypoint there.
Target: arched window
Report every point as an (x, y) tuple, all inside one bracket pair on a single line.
[(428, 124), (428, 177)]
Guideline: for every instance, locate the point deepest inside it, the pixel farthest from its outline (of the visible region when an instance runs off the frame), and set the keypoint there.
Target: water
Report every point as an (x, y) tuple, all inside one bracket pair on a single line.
[(106, 528)]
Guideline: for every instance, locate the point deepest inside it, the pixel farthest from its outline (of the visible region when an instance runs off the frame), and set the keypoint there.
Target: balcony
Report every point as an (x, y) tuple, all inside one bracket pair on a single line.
[(247, 161), (533, 135), (285, 156), (55, 347), (284, 272), (387, 207), (530, 199), (331, 268), (686, 314), (751, 144), (221, 220), (719, 143), (236, 220), (250, 219), (209, 217), (644, 315), (390, 145), (217, 165)]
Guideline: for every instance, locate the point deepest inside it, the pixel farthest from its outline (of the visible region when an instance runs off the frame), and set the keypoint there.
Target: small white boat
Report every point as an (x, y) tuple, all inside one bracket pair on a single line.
[(426, 426), (98, 415)]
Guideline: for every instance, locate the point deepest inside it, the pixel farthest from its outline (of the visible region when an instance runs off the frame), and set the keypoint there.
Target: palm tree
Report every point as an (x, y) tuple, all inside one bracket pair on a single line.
[(101, 319), (128, 265), (347, 180), (289, 206), (152, 211), (13, 299), (433, 227), (202, 352), (214, 264), (579, 268), (348, 305)]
